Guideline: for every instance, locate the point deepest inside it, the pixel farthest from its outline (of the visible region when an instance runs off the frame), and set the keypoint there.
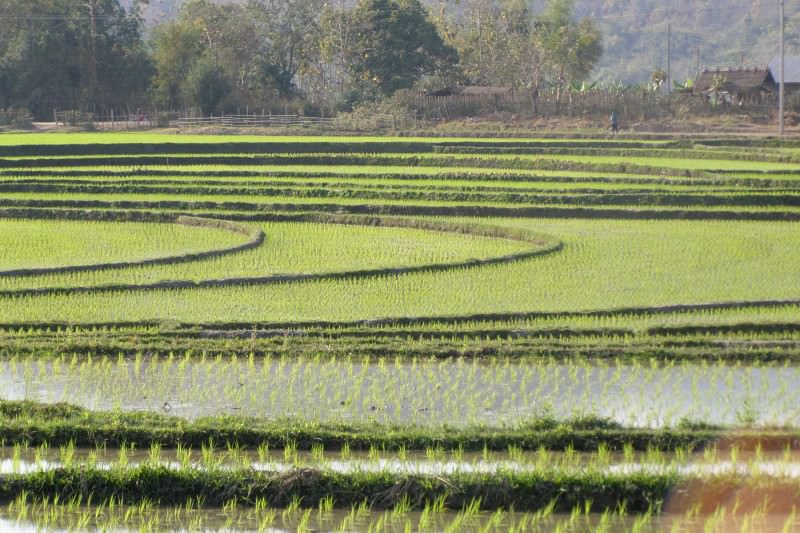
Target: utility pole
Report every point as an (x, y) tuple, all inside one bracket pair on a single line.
[(780, 89), (92, 6), (697, 75), (669, 59)]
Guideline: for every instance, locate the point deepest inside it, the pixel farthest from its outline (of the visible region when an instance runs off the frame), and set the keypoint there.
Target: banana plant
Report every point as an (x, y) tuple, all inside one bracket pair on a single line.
[(582, 88), (686, 86)]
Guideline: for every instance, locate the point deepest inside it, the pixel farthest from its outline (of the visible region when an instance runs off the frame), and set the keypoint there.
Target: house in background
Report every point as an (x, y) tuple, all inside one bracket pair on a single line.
[(735, 85), (476, 91), (791, 68)]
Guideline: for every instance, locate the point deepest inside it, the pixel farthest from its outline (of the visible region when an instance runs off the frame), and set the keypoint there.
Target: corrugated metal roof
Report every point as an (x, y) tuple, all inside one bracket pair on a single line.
[(474, 90), (734, 80), (471, 90), (791, 66)]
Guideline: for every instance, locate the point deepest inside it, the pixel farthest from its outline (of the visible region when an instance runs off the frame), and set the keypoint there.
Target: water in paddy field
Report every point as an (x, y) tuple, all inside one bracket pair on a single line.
[(708, 462), (37, 515), (122, 519), (448, 391)]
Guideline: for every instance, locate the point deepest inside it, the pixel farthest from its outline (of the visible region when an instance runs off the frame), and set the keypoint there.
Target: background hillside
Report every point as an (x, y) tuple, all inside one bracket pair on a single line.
[(724, 32)]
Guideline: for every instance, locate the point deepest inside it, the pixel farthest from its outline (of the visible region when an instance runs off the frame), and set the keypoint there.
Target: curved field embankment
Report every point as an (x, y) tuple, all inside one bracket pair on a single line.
[(408, 299), (331, 181), (244, 211), (255, 239), (539, 245), (696, 183)]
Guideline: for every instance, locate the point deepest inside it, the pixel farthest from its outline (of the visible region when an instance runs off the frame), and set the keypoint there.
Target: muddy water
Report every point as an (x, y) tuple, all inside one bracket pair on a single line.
[(455, 392), (124, 519), (29, 518), (777, 469)]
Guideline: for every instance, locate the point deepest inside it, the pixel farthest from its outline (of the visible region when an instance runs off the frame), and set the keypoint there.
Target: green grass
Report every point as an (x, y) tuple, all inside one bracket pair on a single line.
[(528, 491)]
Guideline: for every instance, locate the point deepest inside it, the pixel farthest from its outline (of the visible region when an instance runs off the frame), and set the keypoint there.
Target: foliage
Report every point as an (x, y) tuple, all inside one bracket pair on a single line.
[(324, 56), (685, 86), (52, 57), (571, 48), (290, 35), (207, 85), (395, 44), (176, 46), (657, 78), (496, 44), (245, 56), (582, 87), (16, 118)]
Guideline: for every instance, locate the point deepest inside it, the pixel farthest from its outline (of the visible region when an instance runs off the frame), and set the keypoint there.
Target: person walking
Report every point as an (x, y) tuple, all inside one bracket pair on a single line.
[(614, 122)]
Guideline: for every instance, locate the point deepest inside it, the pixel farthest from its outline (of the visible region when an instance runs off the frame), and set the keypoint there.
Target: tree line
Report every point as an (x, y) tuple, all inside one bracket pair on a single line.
[(318, 56)]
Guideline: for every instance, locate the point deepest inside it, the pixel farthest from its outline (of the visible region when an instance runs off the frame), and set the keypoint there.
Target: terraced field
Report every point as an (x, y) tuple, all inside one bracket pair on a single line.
[(421, 299)]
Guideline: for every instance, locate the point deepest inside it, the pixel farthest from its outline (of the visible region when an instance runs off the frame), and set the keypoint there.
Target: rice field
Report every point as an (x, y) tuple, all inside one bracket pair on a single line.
[(425, 392), (32, 244), (398, 334)]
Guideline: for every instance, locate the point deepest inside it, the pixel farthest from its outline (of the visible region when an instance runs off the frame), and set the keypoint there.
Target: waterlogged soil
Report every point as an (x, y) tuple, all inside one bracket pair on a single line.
[(127, 519), (436, 462), (426, 392)]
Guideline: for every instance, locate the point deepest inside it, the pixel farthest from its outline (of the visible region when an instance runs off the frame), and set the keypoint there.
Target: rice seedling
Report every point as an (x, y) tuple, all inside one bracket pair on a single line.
[(369, 366), (31, 244), (665, 271)]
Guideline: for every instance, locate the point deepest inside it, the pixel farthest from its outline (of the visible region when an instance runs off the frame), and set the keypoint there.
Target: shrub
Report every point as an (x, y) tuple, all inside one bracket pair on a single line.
[(15, 117)]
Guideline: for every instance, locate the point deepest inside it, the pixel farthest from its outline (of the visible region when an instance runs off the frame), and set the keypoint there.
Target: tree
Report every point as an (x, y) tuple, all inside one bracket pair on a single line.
[(73, 54), (290, 35), (334, 52), (571, 49), (495, 44), (208, 86), (395, 44), (257, 49), (657, 78), (177, 46)]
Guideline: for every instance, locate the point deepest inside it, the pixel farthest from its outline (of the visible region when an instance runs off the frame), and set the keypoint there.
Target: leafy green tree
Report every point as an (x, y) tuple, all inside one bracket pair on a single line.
[(258, 49), (290, 37), (208, 85), (570, 49), (495, 44), (395, 44), (71, 54), (177, 46)]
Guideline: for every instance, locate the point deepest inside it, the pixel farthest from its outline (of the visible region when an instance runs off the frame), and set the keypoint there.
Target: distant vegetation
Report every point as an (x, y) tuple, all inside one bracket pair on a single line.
[(724, 32), (308, 56), (319, 58)]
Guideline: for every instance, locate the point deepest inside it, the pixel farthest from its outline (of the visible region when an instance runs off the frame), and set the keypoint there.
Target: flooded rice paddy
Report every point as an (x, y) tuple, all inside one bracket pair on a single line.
[(25, 514), (424, 391), (435, 462), (123, 519)]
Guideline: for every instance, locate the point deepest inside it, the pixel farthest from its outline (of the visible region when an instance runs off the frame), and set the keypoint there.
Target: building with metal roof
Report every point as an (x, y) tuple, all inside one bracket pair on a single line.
[(743, 83), (791, 67), (471, 90)]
